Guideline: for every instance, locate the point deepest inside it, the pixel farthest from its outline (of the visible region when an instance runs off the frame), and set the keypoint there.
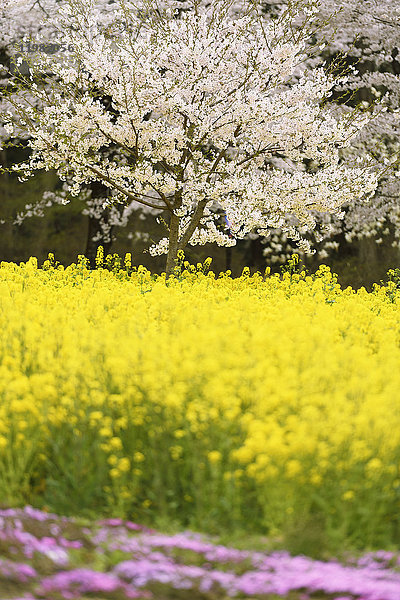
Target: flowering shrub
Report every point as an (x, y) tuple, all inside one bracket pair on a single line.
[(256, 402)]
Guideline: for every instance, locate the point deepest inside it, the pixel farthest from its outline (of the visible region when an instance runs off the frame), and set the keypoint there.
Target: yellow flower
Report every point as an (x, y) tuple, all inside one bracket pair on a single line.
[(124, 465), (348, 495), (293, 468), (214, 456), (375, 464), (115, 443), (176, 452), (179, 433), (105, 432), (315, 478), (96, 415)]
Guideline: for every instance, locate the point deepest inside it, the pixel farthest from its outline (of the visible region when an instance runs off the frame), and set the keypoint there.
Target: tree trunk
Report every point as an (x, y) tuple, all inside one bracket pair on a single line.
[(228, 258), (173, 244)]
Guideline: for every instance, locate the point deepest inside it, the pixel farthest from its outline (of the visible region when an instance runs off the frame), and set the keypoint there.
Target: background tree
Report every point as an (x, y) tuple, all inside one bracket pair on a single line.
[(21, 24), (367, 35)]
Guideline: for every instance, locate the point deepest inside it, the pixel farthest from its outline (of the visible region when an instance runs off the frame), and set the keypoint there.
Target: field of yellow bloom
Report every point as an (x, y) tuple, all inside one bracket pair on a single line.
[(262, 403)]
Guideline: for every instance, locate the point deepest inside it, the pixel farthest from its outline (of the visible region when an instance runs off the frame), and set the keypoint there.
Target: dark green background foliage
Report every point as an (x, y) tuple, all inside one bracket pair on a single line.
[(63, 230)]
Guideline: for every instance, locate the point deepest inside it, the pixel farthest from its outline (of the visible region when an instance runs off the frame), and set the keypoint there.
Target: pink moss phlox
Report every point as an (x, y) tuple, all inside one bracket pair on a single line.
[(81, 581), (16, 571)]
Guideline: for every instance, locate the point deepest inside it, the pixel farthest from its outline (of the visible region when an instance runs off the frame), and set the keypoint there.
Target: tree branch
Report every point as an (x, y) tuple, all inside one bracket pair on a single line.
[(122, 190), (198, 213)]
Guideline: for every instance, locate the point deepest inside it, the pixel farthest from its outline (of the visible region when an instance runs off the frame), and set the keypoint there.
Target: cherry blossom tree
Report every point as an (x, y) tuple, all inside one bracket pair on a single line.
[(21, 24), (182, 114), (376, 25), (367, 34)]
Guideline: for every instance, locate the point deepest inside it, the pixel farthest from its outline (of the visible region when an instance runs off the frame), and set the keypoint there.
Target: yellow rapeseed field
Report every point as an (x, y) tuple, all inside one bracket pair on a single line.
[(254, 402)]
